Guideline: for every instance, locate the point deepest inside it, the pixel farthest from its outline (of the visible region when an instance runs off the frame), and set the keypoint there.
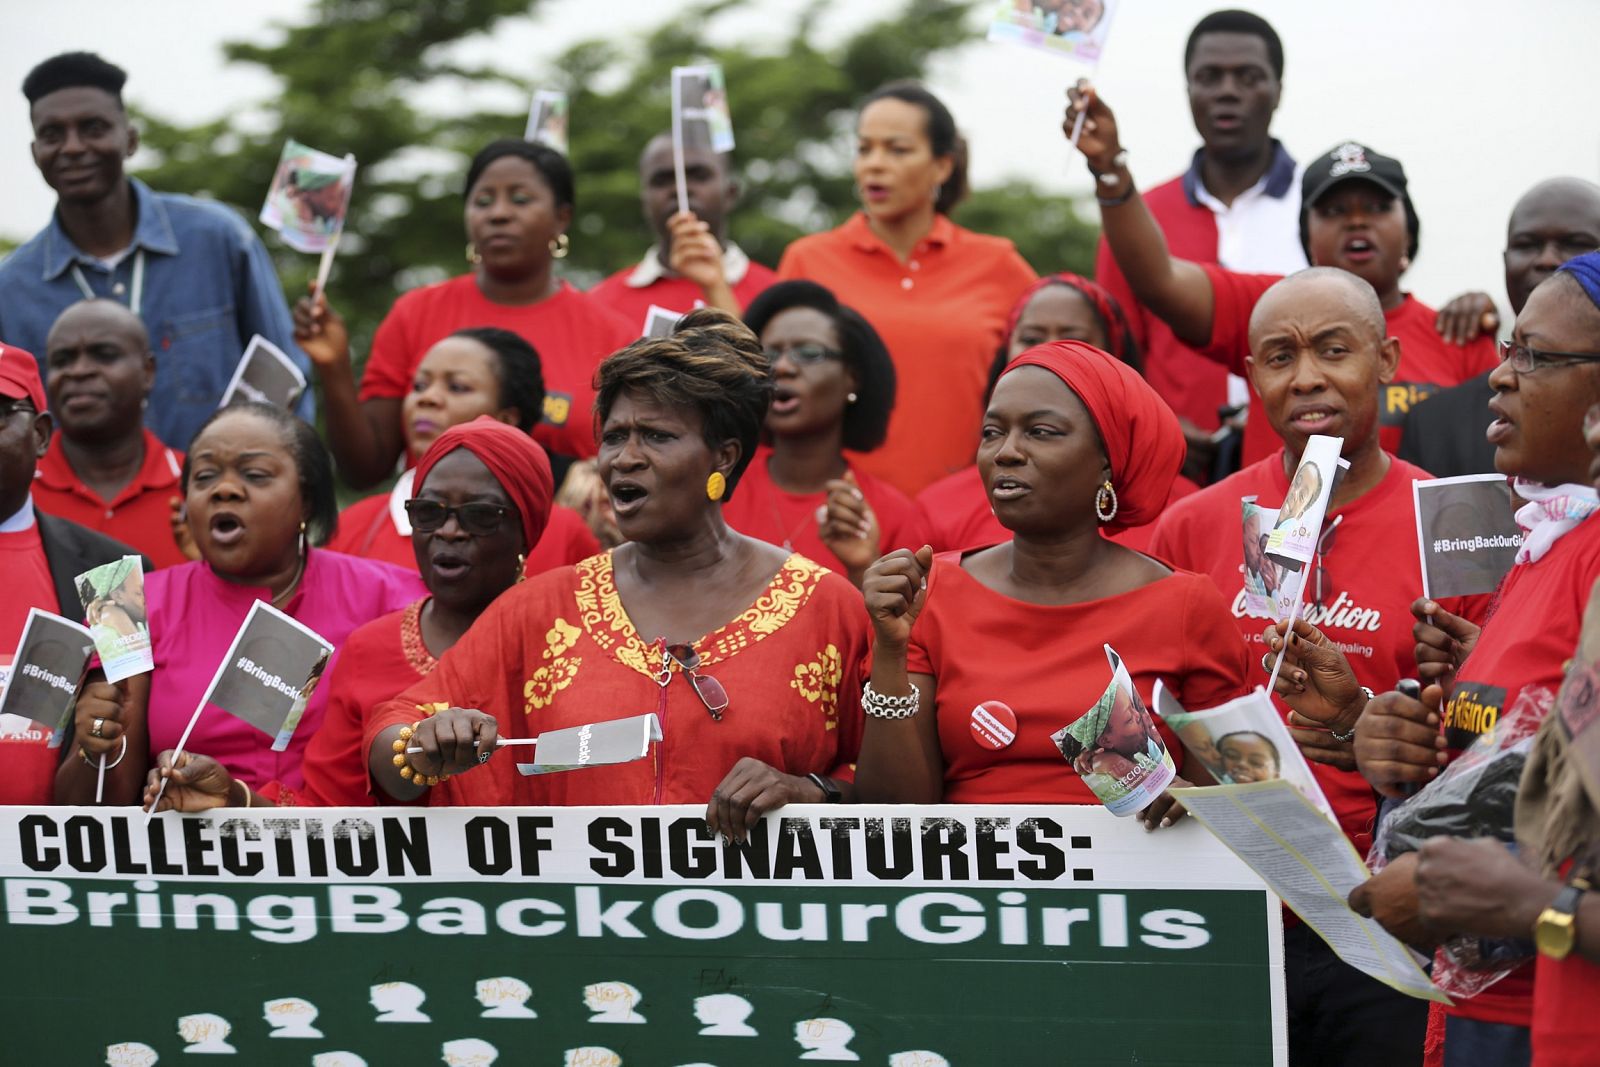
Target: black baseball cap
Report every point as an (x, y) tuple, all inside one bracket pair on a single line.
[(1354, 161)]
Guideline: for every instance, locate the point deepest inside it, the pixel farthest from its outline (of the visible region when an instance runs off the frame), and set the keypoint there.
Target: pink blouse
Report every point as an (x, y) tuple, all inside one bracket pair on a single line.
[(193, 618)]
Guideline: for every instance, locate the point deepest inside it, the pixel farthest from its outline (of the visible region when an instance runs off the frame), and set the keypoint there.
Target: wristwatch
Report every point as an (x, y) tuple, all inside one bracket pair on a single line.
[(830, 789), (1556, 931)]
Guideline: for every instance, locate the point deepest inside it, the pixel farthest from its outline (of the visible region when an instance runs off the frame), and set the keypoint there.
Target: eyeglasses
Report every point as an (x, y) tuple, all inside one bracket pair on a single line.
[(1525, 360), (804, 355), (479, 518), (707, 688)]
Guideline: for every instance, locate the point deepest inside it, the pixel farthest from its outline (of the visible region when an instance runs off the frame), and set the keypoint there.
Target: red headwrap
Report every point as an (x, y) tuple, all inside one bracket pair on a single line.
[(1119, 339), (1143, 440), (516, 460), (19, 377)]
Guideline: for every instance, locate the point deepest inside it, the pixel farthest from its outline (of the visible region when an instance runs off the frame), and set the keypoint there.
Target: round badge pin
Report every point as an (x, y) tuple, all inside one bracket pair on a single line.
[(994, 726)]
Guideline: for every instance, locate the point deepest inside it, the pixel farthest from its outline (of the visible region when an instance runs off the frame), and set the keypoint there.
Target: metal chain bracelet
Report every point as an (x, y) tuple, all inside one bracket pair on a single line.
[(880, 706)]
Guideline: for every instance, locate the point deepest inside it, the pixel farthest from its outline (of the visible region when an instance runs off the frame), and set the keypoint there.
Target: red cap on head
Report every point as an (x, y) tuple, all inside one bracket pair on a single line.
[(1143, 440), (19, 377), (517, 462)]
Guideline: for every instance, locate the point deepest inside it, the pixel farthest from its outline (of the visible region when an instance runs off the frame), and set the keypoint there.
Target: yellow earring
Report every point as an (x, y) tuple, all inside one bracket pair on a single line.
[(472, 254), (716, 485)]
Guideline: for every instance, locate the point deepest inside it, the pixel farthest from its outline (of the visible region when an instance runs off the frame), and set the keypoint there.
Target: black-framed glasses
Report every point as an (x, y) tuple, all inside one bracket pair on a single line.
[(479, 517), (803, 355), (1525, 360), (707, 688)]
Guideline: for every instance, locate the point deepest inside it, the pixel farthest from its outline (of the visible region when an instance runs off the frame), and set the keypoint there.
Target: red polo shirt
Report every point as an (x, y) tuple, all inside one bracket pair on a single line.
[(141, 514), (942, 314)]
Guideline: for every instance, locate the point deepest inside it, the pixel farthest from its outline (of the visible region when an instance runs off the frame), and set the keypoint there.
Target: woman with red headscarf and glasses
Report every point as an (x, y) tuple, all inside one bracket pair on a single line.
[(750, 655), (955, 510), (1075, 444), (482, 500)]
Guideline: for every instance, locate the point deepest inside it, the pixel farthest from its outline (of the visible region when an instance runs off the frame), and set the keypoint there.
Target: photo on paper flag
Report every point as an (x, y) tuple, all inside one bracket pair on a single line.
[(547, 119), (1115, 748), (660, 321), (46, 671), (1467, 534), (702, 101), (309, 196), (1269, 587), (1076, 29), (1242, 741), (1294, 536), (265, 375), (270, 672), (594, 744), (113, 608)]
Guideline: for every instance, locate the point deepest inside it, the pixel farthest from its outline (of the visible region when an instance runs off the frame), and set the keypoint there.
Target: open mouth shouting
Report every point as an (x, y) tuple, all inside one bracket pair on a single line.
[(627, 497), (226, 529)]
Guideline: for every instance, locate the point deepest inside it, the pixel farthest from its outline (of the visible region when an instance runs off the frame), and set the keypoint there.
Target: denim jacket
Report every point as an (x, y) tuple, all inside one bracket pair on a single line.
[(208, 286)]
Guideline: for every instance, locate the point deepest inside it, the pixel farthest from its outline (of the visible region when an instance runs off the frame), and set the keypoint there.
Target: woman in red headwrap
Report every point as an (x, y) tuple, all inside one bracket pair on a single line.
[(980, 656), (482, 499), (955, 510)]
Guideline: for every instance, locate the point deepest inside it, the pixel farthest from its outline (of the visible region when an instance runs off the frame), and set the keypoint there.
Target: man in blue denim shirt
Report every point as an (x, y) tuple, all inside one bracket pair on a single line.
[(193, 270)]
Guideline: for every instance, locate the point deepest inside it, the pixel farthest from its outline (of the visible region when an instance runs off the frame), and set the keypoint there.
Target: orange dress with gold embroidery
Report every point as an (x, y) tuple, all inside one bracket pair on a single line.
[(559, 651)]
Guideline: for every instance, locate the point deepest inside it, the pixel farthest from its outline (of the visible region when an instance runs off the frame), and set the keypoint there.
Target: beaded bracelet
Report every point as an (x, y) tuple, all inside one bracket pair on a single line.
[(408, 772), (880, 706)]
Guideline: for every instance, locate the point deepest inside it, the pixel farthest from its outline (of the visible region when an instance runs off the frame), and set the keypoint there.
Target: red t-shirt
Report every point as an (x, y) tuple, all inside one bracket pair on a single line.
[(956, 516), (941, 314), (762, 510), (1428, 362), (141, 514), (633, 302), (30, 765), (1370, 577), (1046, 663), (1524, 645), (571, 331), (367, 529)]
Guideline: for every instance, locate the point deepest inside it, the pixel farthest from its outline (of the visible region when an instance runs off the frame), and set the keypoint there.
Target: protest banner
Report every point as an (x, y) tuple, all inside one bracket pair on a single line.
[(308, 200), (547, 119), (1244, 740), (1467, 533), (113, 608), (1076, 29), (267, 677), (864, 933), (700, 118), (266, 376), (1308, 861), (46, 671), (1115, 748)]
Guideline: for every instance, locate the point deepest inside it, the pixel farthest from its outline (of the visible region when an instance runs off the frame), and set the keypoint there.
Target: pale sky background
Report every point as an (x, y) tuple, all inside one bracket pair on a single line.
[(1479, 99)]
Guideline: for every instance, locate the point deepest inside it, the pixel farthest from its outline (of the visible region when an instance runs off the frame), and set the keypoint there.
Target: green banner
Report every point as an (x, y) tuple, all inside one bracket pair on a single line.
[(913, 937)]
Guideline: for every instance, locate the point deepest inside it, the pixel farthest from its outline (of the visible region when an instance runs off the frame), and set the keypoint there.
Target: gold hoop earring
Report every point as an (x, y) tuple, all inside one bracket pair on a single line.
[(1105, 502), (560, 246), (473, 256), (716, 485)]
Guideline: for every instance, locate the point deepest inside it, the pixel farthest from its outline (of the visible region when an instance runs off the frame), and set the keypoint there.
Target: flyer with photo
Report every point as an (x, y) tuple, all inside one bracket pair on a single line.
[(1467, 533), (113, 608), (1294, 536), (1115, 748), (660, 321), (266, 376), (594, 744), (1269, 587), (309, 196), (1075, 29), (46, 671), (701, 101), (1244, 740), (547, 119), (269, 673)]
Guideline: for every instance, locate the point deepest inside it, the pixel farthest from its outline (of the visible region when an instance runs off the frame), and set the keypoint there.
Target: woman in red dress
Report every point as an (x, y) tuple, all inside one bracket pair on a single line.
[(835, 388), (1074, 443), (483, 497), (749, 655)]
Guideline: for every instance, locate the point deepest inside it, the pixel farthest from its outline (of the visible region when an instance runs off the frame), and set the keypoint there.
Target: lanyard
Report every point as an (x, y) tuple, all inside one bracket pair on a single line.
[(135, 295)]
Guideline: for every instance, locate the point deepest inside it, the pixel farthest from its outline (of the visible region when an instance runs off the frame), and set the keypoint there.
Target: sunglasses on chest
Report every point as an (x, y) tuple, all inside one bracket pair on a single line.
[(707, 688)]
